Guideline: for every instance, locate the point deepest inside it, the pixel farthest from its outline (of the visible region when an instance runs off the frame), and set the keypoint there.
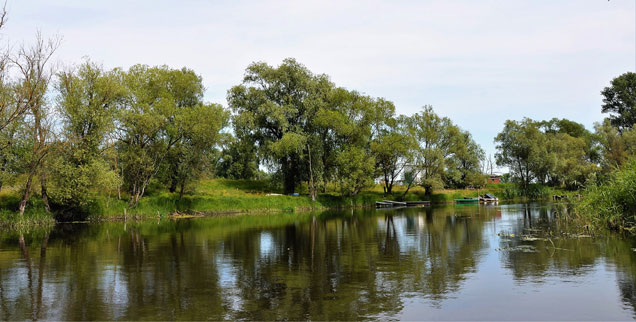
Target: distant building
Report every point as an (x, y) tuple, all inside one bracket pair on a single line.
[(494, 178)]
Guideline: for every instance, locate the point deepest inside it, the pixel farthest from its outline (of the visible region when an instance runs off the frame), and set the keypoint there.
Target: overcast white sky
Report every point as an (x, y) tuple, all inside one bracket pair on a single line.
[(477, 62)]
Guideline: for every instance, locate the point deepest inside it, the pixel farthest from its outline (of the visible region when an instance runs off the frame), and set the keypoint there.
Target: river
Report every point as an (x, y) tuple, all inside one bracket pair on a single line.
[(468, 262)]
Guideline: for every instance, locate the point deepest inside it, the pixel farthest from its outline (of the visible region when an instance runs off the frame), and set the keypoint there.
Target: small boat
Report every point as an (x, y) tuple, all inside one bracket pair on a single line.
[(467, 200), (389, 204), (488, 198)]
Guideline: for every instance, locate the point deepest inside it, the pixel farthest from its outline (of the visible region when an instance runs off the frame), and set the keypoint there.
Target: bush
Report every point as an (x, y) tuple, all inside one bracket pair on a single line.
[(613, 203)]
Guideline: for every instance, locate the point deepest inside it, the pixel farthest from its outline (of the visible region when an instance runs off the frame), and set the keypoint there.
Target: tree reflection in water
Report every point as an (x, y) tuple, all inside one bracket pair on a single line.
[(333, 265)]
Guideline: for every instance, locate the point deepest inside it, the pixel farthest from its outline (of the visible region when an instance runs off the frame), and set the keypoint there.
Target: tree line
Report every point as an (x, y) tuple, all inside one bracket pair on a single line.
[(76, 133), (304, 128), (563, 153), (70, 135)]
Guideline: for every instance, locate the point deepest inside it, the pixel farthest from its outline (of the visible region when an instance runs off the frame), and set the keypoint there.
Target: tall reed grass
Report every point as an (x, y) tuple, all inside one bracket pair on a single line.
[(613, 203)]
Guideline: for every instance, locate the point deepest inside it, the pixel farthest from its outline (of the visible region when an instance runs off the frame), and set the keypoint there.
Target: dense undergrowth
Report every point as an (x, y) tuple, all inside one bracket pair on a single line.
[(613, 203)]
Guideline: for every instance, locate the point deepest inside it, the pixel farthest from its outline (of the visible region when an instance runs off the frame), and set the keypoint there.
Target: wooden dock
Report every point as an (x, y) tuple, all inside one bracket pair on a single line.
[(396, 204)]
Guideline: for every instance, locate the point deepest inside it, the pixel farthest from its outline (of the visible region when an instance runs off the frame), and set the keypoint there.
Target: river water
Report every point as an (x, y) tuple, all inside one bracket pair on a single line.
[(469, 262)]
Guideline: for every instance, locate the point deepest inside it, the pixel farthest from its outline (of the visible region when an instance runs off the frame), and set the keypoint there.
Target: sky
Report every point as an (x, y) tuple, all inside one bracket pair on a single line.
[(477, 62)]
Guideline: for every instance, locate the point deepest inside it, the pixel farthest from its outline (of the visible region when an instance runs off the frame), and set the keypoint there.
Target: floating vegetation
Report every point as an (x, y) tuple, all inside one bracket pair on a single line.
[(530, 238), (520, 248)]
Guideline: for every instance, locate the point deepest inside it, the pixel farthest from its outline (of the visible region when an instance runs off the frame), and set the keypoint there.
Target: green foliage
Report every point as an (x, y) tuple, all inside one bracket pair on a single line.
[(615, 146), (192, 155), (163, 125), (463, 167), (613, 204), (274, 109), (238, 160), (393, 149), (306, 129), (87, 103), (619, 99), (560, 153), (443, 154), (353, 168)]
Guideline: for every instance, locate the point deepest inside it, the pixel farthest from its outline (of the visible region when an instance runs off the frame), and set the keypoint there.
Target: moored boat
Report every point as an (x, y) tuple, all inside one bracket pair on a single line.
[(488, 198), (467, 200)]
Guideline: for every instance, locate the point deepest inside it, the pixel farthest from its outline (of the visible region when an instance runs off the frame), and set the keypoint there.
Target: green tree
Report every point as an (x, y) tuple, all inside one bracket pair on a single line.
[(274, 108), (87, 104), (392, 148), (516, 145), (615, 147), (434, 135), (193, 153), (30, 91), (150, 123), (238, 159), (356, 117), (619, 99), (464, 163), (571, 167)]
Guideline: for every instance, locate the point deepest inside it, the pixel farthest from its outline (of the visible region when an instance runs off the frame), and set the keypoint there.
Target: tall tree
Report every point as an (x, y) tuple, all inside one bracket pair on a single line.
[(192, 154), (434, 135), (392, 148), (274, 108), (87, 104), (30, 91), (619, 99), (616, 147), (238, 159), (464, 163), (516, 149), (149, 126), (347, 125)]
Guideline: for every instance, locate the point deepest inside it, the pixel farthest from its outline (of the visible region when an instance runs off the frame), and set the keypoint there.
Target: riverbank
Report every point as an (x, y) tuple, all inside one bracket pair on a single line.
[(223, 196), (611, 204)]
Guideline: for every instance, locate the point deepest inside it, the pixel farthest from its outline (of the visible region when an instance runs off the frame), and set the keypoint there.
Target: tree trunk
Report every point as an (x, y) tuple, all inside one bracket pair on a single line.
[(45, 195), (116, 171), (408, 187), (312, 187), (173, 183), (4, 166), (139, 193), (27, 192), (181, 188), (388, 185), (289, 176), (133, 193)]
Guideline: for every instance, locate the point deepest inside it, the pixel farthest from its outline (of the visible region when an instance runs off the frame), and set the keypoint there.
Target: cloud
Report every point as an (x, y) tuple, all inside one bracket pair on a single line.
[(477, 62)]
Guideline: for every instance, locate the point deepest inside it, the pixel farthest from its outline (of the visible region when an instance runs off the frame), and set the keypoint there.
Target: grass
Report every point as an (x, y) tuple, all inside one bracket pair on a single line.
[(34, 216), (219, 196), (612, 204)]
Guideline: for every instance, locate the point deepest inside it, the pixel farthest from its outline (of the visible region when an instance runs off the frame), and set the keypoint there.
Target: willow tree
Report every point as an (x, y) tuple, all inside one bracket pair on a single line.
[(87, 103), (434, 135), (619, 99), (274, 109), (30, 96), (344, 125), (463, 166), (149, 123), (192, 154)]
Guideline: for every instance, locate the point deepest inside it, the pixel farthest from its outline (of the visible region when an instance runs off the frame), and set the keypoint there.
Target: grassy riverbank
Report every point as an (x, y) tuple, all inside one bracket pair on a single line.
[(613, 203), (222, 196)]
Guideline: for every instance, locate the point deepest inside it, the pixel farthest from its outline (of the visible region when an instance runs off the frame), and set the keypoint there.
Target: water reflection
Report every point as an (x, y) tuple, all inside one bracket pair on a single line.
[(421, 263)]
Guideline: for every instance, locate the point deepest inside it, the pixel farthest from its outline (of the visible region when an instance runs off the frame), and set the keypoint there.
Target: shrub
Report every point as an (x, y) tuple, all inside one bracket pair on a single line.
[(613, 203)]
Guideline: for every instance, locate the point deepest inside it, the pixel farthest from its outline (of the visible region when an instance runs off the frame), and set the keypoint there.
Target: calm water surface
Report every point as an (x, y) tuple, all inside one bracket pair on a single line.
[(511, 262)]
